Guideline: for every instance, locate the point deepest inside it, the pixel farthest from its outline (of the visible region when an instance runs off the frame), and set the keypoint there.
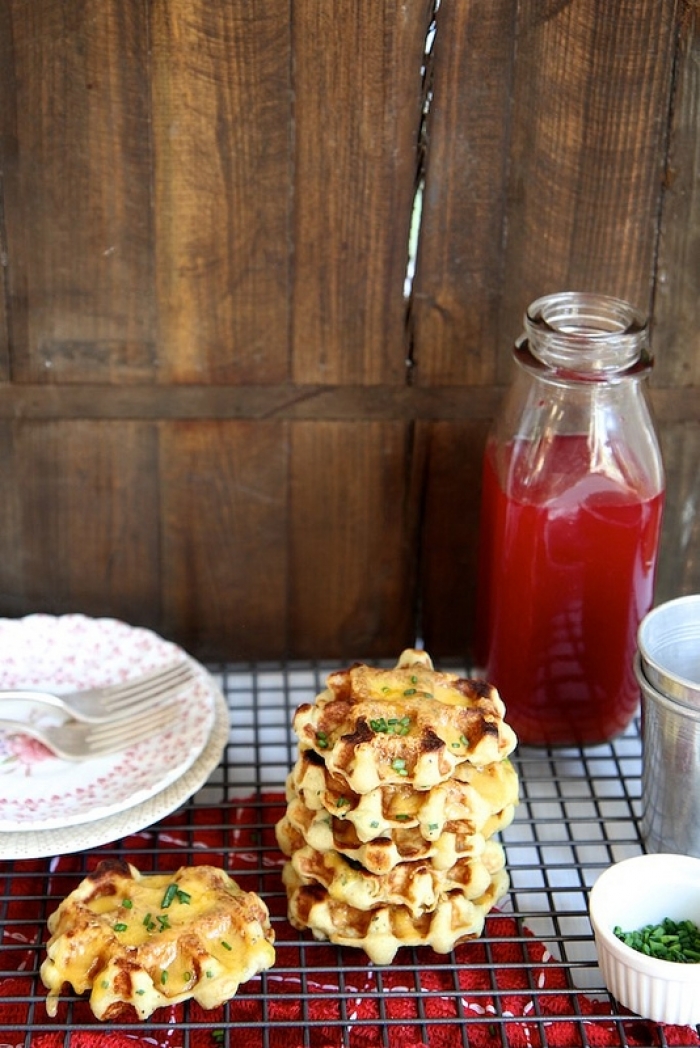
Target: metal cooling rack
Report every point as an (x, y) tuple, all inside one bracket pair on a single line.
[(579, 812)]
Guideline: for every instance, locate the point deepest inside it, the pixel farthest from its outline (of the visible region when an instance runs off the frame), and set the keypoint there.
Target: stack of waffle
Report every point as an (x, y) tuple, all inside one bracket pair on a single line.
[(401, 783)]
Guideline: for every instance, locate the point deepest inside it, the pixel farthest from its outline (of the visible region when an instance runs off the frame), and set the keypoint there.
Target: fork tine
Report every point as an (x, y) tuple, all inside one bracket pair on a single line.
[(149, 684), (126, 711), (102, 738), (153, 695)]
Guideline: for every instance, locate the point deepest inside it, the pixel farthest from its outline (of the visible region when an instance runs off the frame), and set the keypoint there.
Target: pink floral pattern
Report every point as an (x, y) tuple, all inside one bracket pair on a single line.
[(40, 791)]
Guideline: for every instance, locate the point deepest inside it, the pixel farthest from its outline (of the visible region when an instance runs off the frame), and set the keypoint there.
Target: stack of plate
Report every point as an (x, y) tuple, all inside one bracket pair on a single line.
[(49, 806)]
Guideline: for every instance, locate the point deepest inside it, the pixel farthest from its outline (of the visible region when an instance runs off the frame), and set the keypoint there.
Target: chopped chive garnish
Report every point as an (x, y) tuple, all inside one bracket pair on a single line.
[(414, 680), (432, 826), (164, 977), (226, 945), (140, 992), (120, 927), (322, 740), (183, 897), (410, 691), (209, 974), (105, 984), (149, 923), (163, 921), (127, 904), (402, 818), (464, 740), (392, 726), (667, 941), (170, 894), (341, 802), (399, 765), (187, 976)]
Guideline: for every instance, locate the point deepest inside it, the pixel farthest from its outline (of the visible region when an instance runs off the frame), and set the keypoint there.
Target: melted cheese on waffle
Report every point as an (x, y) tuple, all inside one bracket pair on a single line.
[(149, 941), (383, 930), (419, 886), (475, 797), (410, 724)]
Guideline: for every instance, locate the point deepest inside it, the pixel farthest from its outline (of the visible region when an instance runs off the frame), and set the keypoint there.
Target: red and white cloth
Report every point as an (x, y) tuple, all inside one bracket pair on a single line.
[(512, 978)]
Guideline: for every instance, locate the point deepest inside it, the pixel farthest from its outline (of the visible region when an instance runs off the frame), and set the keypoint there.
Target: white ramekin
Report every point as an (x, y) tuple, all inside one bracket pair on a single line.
[(633, 893)]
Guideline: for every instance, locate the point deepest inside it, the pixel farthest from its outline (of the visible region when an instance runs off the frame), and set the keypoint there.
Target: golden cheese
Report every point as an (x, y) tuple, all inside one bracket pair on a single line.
[(381, 931), (147, 941), (473, 795), (417, 886), (406, 725)]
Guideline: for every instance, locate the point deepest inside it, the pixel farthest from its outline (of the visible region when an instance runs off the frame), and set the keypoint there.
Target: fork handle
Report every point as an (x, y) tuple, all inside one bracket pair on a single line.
[(46, 698)]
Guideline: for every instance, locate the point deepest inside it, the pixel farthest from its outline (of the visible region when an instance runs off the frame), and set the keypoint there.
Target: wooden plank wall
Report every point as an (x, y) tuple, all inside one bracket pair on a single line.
[(224, 411)]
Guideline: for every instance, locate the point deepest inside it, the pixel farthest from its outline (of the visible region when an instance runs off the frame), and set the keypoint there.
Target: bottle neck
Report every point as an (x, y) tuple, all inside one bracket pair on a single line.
[(584, 336)]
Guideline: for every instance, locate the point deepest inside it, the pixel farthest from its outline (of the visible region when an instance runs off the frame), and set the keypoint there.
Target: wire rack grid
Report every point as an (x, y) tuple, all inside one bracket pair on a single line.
[(530, 980)]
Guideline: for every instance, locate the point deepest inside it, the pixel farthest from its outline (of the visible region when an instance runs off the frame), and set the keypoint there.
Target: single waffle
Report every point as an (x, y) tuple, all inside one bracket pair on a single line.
[(380, 932), (417, 886), (473, 797), (140, 942), (407, 725), (299, 827)]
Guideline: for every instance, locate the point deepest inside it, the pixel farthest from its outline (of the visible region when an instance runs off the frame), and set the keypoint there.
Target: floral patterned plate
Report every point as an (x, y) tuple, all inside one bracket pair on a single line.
[(39, 791), (37, 844)]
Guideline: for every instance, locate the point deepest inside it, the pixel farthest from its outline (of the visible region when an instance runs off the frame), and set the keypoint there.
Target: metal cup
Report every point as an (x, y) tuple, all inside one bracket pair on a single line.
[(669, 646), (670, 815)]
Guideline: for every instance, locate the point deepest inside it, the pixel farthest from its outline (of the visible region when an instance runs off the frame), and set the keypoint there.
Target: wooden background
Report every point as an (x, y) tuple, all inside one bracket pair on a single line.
[(225, 413)]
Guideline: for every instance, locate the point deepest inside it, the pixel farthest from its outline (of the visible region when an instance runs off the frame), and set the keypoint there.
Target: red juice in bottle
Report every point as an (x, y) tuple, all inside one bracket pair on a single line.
[(567, 569)]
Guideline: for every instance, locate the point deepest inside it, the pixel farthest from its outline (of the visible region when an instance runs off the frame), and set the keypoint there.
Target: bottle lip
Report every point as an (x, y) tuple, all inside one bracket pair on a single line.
[(586, 333)]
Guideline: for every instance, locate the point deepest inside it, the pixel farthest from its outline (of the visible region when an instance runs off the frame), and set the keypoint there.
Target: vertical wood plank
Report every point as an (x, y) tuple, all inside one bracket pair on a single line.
[(457, 287), (83, 503), (357, 120), (676, 333), (456, 304), (676, 330), (352, 540), (590, 116), (225, 533), (8, 148), (222, 119), (77, 193), (449, 538), (679, 552), (14, 529)]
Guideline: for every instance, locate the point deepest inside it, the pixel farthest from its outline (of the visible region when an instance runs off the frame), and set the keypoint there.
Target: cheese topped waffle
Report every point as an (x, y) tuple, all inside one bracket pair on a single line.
[(324, 833), (409, 724), (383, 930), (418, 886), (146, 941), (473, 795)]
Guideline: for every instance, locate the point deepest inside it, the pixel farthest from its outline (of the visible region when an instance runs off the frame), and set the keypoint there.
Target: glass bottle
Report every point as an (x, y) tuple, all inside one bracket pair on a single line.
[(573, 492)]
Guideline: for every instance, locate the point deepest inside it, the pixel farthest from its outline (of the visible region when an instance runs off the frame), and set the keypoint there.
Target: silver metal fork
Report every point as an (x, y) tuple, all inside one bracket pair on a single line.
[(114, 701), (79, 742)]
